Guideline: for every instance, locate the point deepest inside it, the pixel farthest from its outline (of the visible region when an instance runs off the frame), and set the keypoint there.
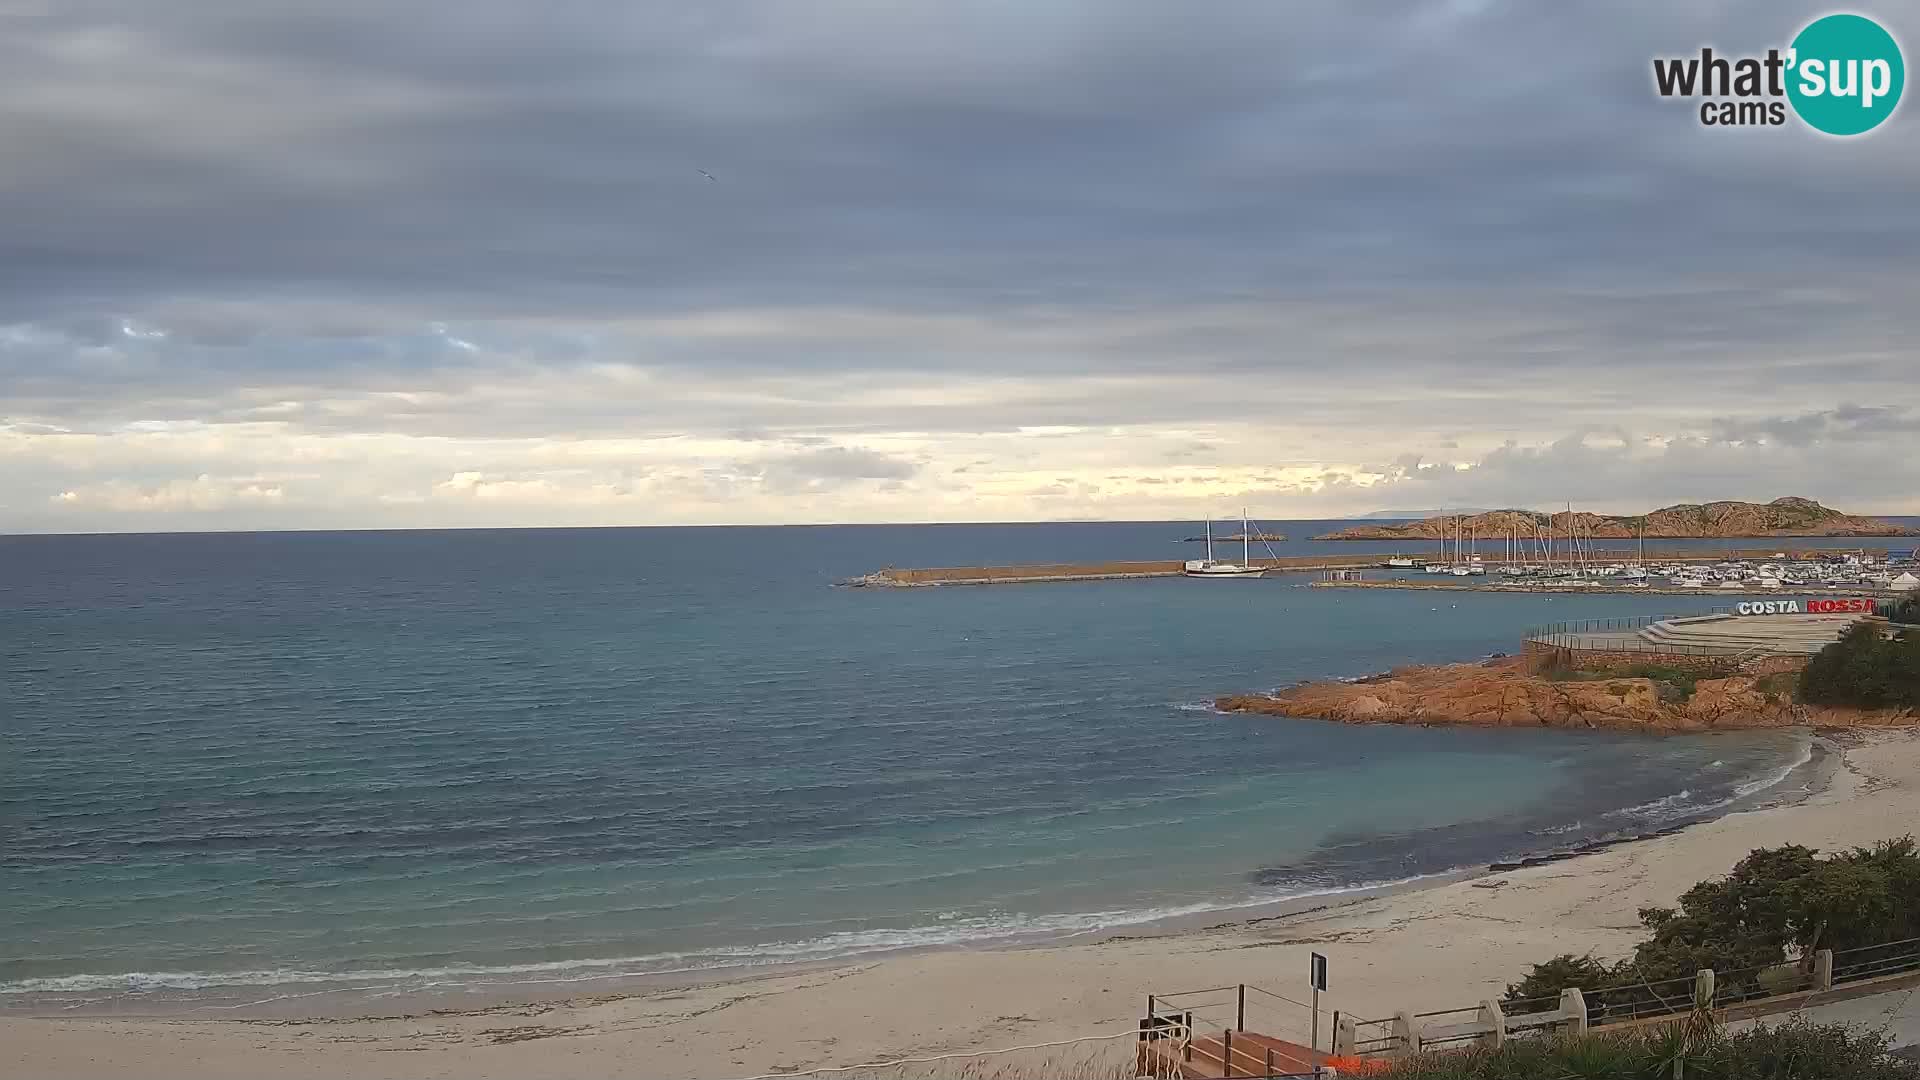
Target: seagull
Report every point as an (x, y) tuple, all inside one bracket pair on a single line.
[(708, 175)]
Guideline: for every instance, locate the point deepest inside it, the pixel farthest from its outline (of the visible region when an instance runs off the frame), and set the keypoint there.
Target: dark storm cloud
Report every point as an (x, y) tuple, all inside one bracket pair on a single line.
[(504, 159)]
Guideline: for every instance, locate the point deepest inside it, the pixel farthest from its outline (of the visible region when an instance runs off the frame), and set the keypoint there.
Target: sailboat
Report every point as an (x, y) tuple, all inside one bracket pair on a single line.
[(1209, 567)]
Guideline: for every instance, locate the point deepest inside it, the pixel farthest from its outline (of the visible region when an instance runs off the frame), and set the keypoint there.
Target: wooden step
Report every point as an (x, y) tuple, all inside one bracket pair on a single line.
[(1249, 1051)]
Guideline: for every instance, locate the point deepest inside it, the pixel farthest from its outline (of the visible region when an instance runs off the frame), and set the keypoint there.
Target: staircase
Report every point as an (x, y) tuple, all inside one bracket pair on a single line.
[(1748, 635)]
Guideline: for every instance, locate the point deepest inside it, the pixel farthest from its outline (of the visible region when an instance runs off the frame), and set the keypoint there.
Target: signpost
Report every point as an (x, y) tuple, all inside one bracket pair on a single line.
[(1317, 975)]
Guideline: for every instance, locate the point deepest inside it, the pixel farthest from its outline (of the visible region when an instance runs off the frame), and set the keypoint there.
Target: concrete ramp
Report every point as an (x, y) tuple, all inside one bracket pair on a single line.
[(1733, 635)]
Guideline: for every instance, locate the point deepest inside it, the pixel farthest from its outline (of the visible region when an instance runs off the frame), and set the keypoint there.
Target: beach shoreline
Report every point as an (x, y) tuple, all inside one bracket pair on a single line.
[(1423, 945), (340, 996)]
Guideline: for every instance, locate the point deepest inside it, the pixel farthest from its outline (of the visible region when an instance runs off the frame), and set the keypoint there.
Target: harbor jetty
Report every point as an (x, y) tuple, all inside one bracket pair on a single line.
[(897, 577), (1087, 571)]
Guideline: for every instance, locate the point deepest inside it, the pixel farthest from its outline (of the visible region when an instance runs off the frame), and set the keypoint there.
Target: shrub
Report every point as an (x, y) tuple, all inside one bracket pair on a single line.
[(1792, 1051), (1905, 610), (1865, 669), (1565, 970), (1797, 1050), (1775, 905), (1673, 685), (1777, 686)]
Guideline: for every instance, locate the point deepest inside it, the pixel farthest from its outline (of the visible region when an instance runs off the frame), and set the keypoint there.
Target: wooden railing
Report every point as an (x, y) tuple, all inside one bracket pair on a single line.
[(1729, 995)]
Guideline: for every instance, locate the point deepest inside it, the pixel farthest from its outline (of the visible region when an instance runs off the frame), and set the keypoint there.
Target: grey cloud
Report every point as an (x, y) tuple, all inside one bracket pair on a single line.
[(1868, 474), (827, 469), (1408, 225), (1846, 422), (844, 463), (480, 157)]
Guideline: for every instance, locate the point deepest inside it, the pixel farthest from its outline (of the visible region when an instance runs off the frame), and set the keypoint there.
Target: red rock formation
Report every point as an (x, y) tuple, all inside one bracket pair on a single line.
[(1503, 693)]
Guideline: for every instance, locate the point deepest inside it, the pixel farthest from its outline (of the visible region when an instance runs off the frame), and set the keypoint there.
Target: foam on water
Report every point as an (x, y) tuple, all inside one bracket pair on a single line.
[(1684, 803), (314, 762), (953, 930)]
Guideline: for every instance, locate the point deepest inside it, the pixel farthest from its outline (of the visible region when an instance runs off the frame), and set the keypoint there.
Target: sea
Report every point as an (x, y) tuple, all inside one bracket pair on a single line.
[(246, 767)]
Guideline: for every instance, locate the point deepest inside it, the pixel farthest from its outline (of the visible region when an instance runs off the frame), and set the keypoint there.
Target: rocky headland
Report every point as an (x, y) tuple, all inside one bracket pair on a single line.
[(1784, 517), (1505, 692)]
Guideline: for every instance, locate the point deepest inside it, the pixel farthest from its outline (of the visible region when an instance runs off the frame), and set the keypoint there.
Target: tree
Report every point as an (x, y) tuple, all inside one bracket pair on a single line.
[(1740, 921), (1548, 979), (1775, 903), (1865, 669)]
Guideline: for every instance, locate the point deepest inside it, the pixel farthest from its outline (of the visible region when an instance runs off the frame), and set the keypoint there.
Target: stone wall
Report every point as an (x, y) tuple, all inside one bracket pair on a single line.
[(1542, 656)]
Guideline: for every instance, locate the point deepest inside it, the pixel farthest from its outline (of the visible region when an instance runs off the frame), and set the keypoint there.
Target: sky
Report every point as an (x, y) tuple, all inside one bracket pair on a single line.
[(267, 264)]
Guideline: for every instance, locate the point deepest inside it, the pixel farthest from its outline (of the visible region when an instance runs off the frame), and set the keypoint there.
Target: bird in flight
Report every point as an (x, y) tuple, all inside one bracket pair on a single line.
[(708, 175)]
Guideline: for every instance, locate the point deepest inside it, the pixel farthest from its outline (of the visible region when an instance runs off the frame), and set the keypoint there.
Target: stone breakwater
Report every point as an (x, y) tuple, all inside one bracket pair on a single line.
[(1505, 692)]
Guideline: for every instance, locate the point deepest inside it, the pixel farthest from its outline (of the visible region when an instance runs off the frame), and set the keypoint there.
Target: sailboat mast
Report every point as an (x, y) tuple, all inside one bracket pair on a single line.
[(1209, 537), (1246, 538)]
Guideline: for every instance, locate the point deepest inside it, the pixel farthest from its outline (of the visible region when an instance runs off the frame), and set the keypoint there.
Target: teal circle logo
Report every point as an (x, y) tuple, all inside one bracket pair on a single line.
[(1845, 74)]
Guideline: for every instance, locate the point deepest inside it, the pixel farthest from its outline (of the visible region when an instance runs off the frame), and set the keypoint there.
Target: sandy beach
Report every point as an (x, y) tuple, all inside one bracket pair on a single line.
[(1421, 949)]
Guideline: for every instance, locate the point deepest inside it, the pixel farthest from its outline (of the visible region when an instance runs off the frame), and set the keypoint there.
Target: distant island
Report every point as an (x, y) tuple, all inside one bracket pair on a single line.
[(1410, 515), (1272, 538), (1715, 520)]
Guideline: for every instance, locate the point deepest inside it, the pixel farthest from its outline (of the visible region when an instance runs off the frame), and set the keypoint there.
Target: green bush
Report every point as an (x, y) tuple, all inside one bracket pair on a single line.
[(1906, 610), (1673, 685), (1777, 686), (1792, 1051), (1865, 669), (1777, 903)]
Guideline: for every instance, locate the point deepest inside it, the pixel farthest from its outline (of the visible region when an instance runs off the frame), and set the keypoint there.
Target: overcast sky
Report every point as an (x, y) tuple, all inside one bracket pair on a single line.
[(267, 264)]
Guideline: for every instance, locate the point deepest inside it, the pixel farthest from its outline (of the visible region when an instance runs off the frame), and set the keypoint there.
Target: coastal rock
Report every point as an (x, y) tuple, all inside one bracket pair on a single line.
[(1503, 693), (1842, 718), (1789, 516)]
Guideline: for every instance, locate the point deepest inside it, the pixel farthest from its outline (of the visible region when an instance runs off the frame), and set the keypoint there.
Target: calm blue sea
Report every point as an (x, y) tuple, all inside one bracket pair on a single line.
[(240, 763)]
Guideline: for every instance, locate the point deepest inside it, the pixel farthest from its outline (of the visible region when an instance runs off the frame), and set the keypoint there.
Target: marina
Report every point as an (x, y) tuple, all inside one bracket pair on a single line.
[(1683, 572)]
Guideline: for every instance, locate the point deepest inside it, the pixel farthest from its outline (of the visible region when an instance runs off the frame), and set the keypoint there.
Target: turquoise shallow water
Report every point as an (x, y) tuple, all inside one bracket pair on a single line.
[(236, 763)]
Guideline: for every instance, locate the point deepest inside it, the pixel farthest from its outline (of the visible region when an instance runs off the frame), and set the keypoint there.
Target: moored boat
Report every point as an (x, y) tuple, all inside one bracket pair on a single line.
[(1210, 567)]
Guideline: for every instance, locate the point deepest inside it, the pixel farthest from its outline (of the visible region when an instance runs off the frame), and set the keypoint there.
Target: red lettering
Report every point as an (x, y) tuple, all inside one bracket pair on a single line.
[(1852, 604)]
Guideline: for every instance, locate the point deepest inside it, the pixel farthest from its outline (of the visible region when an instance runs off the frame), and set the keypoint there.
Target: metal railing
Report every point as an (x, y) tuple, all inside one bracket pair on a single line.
[(1522, 1007), (1578, 635), (1577, 644), (1597, 626), (1372, 1038), (1875, 961), (1231, 1030)]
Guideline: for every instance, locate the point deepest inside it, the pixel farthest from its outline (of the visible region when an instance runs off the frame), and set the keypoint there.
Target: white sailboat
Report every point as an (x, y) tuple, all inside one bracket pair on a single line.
[(1210, 567)]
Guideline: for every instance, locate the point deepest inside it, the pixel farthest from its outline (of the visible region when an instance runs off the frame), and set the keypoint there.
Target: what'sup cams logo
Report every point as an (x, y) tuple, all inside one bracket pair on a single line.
[(1842, 75)]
